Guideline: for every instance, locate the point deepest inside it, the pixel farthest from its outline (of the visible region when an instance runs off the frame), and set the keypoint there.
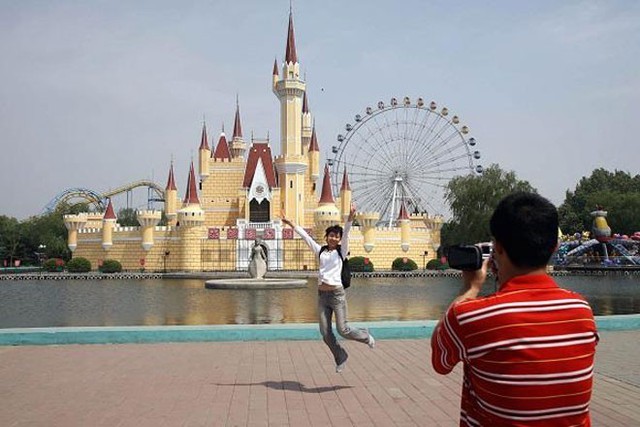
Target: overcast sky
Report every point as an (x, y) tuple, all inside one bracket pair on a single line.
[(96, 94)]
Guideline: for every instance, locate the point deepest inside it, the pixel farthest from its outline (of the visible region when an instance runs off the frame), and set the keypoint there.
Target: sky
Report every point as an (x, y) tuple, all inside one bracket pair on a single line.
[(97, 94)]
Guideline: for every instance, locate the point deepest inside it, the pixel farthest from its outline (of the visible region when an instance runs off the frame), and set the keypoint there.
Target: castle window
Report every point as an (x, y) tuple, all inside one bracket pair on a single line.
[(259, 212), (290, 184), (314, 186)]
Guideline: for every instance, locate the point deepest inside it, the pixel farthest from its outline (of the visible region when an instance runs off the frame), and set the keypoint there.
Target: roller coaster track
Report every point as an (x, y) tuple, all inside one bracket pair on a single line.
[(98, 200)]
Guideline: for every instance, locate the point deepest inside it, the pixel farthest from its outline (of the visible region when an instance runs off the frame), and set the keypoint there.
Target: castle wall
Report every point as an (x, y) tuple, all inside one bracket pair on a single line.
[(219, 194)]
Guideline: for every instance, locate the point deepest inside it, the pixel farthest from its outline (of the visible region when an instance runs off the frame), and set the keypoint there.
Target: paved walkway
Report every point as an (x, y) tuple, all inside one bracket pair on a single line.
[(276, 383)]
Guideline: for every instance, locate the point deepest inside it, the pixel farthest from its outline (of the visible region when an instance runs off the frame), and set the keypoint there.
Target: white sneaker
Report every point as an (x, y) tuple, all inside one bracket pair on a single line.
[(372, 342)]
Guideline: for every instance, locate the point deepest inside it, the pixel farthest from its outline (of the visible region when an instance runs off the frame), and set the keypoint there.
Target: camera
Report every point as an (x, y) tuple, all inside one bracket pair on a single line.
[(468, 257)]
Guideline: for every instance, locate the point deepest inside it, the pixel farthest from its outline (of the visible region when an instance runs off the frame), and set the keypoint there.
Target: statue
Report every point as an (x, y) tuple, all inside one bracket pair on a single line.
[(258, 259)]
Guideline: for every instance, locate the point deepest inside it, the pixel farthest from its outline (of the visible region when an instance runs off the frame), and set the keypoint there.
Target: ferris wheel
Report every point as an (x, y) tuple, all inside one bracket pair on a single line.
[(403, 153)]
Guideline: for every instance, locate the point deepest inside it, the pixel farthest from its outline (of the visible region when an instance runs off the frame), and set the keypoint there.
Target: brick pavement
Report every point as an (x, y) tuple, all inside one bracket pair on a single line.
[(276, 383)]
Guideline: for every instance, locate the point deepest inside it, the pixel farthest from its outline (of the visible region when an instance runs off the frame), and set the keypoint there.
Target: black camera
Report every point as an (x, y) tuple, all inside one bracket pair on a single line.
[(465, 257)]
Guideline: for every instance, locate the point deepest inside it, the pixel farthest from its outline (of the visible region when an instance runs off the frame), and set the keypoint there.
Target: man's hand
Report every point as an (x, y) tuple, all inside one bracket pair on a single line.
[(473, 281)]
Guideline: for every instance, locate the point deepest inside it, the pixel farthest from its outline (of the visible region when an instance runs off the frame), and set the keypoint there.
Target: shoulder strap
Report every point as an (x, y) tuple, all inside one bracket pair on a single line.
[(325, 247)]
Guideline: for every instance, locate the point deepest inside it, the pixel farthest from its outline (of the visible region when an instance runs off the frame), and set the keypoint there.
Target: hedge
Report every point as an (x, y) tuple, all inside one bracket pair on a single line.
[(78, 265), (53, 264), (404, 264), (435, 264), (111, 266), (359, 264)]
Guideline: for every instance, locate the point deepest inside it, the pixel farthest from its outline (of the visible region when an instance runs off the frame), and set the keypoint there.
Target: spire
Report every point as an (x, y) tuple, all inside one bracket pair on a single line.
[(275, 67), (345, 181), (109, 214), (290, 55), (305, 105), (237, 127), (403, 212), (204, 143), (171, 182), (313, 145), (326, 196), (222, 149), (191, 197)]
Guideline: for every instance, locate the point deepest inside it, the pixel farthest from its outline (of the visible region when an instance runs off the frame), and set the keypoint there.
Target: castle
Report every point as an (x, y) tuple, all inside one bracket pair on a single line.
[(238, 195)]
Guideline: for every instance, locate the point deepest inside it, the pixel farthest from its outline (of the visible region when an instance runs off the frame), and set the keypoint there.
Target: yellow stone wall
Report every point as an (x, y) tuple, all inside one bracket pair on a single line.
[(219, 194)]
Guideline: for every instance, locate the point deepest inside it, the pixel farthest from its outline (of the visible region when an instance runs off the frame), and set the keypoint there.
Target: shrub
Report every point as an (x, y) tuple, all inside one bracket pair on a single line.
[(111, 266), (53, 264), (78, 265), (404, 264), (359, 263), (435, 264)]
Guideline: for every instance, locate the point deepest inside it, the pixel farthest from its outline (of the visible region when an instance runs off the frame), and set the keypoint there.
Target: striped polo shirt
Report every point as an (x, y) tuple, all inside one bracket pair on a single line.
[(527, 353)]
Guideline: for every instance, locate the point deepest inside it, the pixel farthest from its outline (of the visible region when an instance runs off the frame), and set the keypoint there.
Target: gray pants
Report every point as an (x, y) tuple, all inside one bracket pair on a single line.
[(335, 301)]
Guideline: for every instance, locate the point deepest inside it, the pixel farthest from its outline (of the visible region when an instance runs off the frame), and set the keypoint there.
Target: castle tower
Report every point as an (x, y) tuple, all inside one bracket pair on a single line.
[(314, 156), (108, 223), (291, 164), (306, 125), (171, 199), (326, 214), (238, 147), (204, 153), (345, 196), (148, 220), (368, 222), (191, 219), (405, 229), (73, 224)]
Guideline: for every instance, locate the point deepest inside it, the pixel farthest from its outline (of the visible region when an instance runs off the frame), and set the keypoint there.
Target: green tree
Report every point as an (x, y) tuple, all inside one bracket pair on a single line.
[(127, 217), (472, 199), (11, 242), (618, 192)]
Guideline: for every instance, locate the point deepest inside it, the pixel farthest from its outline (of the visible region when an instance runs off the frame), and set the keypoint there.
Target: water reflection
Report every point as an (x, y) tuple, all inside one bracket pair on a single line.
[(187, 302)]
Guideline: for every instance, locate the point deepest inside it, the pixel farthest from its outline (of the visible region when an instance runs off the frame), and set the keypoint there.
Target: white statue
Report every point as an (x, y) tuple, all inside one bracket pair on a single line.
[(258, 260)]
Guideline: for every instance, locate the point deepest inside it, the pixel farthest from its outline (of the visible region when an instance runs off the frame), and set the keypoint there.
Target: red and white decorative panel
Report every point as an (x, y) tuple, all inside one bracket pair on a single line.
[(232, 233), (250, 233), (269, 234), (213, 233), (287, 233)]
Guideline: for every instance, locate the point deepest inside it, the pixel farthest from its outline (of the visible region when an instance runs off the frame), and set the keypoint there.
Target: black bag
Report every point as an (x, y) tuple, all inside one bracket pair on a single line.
[(345, 273)]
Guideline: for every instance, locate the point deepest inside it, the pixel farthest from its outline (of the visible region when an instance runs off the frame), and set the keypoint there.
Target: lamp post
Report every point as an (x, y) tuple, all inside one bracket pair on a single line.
[(424, 260)]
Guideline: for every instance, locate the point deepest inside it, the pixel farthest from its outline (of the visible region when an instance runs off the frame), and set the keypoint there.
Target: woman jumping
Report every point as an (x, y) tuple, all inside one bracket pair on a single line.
[(331, 293)]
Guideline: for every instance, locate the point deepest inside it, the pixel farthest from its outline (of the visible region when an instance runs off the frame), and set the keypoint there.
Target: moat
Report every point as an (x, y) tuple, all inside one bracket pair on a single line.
[(49, 303)]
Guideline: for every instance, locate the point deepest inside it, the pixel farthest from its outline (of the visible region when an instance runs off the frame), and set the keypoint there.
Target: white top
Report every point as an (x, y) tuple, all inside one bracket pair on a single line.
[(330, 268)]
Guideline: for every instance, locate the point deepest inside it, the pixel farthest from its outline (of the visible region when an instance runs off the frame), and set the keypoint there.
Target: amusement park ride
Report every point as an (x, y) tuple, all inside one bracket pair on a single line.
[(602, 250)]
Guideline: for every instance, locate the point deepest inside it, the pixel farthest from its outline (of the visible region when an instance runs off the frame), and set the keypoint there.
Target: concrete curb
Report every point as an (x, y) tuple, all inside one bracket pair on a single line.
[(216, 333)]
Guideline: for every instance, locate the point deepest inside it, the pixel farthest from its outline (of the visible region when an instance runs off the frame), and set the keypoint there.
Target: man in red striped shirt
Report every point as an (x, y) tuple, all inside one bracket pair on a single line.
[(528, 349)]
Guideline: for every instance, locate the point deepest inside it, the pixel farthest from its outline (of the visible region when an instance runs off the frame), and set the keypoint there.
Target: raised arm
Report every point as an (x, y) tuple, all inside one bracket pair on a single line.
[(315, 247), (344, 242)]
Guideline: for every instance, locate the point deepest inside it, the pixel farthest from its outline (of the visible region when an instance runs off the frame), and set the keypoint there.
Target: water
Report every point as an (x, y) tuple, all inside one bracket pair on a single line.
[(44, 303)]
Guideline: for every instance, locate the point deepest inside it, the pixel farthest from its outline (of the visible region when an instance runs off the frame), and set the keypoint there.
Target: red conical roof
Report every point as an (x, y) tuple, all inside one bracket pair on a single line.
[(275, 67), (191, 197), (237, 127), (171, 182), (222, 149), (403, 212), (204, 143), (109, 214), (290, 55), (305, 104), (326, 196), (345, 181), (313, 145)]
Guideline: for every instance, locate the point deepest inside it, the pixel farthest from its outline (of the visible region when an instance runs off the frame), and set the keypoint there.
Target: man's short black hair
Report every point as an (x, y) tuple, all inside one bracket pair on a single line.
[(526, 225), (333, 229)]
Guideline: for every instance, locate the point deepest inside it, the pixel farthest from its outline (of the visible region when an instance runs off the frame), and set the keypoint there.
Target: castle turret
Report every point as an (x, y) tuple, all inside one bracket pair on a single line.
[(171, 199), (434, 225), (238, 147), (222, 151), (73, 224), (291, 164), (314, 156), (204, 153), (108, 223), (191, 220), (148, 220), (368, 222), (306, 125), (345, 196), (275, 75), (326, 214), (405, 229)]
